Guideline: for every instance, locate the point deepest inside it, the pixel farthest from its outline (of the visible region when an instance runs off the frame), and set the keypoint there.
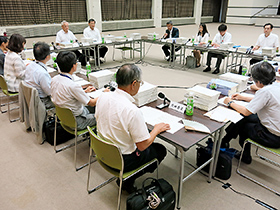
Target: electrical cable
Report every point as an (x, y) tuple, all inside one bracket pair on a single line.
[(227, 185)]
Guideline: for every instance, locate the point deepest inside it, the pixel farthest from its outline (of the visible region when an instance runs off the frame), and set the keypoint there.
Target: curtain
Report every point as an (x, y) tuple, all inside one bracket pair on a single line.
[(207, 7), (126, 9), (177, 8), (29, 12)]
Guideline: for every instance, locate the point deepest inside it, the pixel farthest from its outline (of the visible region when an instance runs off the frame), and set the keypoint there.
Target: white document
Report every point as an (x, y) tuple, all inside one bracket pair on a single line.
[(242, 103), (76, 78), (82, 82), (154, 116), (195, 126), (222, 114), (97, 93), (50, 70)]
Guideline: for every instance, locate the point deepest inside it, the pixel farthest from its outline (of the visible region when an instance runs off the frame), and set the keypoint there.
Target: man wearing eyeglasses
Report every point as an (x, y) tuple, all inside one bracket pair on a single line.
[(120, 121), (267, 39)]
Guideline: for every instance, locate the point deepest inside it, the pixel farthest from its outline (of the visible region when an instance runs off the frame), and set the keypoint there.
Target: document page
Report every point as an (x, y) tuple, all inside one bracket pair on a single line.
[(222, 114), (154, 116)]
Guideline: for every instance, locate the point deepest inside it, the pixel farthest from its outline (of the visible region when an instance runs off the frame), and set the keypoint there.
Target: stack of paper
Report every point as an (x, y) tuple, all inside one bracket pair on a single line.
[(225, 87), (270, 51), (120, 39), (65, 45), (86, 40), (153, 36), (204, 98), (135, 36), (109, 38), (146, 94), (237, 78), (100, 78)]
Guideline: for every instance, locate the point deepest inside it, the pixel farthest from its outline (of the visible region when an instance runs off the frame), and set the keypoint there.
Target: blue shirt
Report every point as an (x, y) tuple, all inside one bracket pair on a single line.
[(37, 76)]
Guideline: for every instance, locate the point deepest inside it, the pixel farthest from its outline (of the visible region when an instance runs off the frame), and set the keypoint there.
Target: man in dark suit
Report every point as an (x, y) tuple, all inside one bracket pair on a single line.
[(171, 32)]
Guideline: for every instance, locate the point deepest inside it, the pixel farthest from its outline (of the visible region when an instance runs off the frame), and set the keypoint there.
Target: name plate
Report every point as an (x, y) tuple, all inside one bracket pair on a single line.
[(177, 107)]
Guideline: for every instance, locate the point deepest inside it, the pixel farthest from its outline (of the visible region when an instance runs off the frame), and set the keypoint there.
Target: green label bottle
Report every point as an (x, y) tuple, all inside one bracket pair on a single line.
[(88, 68), (189, 109)]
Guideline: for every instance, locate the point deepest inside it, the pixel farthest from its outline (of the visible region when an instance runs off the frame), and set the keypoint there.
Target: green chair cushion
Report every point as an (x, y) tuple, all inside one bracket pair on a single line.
[(126, 174), (275, 150)]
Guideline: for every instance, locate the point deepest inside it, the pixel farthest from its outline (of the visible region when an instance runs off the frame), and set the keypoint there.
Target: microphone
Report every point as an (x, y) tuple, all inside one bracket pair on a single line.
[(249, 50), (188, 41), (54, 47), (165, 100)]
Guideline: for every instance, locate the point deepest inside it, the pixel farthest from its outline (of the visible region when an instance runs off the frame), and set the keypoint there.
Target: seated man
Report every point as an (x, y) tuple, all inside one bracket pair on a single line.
[(36, 74), (65, 35), (171, 32), (92, 32), (267, 39), (121, 122), (222, 37), (261, 121), (68, 94), (3, 48)]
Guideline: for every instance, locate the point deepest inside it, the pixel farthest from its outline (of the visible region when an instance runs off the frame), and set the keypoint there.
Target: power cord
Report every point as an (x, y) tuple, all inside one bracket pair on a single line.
[(228, 185)]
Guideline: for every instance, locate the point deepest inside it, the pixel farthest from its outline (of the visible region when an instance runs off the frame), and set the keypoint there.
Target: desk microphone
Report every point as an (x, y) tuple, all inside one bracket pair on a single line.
[(188, 41), (249, 50), (54, 47), (165, 100)]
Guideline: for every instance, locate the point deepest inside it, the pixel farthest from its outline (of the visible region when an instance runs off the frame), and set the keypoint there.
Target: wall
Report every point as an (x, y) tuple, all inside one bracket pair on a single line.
[(240, 11)]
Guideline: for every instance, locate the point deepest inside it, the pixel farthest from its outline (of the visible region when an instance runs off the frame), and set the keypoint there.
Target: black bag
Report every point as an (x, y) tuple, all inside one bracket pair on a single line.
[(159, 188), (224, 165), (61, 134)]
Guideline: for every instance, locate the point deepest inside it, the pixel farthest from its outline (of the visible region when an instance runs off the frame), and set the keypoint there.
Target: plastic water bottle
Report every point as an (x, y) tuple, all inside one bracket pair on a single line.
[(88, 68), (189, 109), (193, 40), (54, 63), (265, 58), (154, 37), (244, 70), (102, 39)]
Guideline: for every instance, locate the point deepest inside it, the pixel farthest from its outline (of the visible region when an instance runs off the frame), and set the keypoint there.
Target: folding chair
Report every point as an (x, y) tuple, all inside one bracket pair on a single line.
[(68, 123), (8, 95), (110, 157), (270, 150)]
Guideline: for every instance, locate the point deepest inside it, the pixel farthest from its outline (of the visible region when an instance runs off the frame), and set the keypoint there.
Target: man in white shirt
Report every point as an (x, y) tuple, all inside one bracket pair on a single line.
[(66, 93), (267, 39), (92, 32), (66, 36), (121, 121), (222, 37), (36, 74), (261, 121)]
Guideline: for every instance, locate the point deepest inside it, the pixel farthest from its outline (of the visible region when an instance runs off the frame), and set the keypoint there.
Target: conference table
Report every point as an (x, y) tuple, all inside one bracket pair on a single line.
[(183, 141)]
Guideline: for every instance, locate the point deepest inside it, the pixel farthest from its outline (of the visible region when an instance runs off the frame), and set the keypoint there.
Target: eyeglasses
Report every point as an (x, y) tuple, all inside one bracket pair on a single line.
[(141, 82)]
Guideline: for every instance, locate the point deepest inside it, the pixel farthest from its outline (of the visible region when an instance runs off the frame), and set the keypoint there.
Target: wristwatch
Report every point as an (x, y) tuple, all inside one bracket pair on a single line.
[(229, 103)]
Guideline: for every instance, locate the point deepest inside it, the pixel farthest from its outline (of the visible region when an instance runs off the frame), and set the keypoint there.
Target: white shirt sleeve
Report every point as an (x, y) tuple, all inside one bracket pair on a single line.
[(78, 93), (216, 39), (58, 38), (86, 34), (258, 102), (138, 129)]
